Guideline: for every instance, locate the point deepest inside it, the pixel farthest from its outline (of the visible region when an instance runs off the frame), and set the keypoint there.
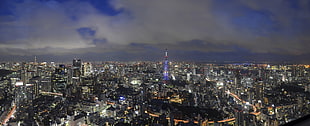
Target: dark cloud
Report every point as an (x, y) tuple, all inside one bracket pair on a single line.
[(65, 27), (86, 33)]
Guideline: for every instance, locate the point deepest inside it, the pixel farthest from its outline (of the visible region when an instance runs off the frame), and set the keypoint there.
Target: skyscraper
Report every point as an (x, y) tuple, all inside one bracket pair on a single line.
[(77, 63), (87, 69), (59, 79), (76, 68)]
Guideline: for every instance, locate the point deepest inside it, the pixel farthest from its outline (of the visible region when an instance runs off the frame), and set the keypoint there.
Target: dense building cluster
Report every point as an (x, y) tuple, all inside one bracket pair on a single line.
[(152, 93)]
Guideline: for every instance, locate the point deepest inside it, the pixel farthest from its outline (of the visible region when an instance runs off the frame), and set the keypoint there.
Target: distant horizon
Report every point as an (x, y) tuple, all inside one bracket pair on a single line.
[(69, 61), (214, 57)]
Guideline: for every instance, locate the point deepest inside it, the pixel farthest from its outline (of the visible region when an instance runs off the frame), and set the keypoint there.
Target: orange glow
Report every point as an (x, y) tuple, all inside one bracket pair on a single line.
[(186, 121), (254, 108), (9, 115)]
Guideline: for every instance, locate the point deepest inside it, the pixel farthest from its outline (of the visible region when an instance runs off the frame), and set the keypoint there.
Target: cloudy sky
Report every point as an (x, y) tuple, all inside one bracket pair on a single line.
[(192, 30)]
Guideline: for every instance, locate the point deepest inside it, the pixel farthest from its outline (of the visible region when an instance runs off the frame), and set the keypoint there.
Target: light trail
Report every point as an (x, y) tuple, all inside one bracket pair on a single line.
[(196, 122), (278, 107), (9, 115), (254, 108), (51, 93)]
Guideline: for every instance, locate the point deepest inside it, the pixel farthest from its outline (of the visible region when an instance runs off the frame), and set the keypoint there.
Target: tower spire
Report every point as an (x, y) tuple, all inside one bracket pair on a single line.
[(35, 59), (166, 67)]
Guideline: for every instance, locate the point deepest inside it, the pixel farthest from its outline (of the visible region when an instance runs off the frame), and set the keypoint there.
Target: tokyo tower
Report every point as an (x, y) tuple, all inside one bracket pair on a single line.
[(166, 68)]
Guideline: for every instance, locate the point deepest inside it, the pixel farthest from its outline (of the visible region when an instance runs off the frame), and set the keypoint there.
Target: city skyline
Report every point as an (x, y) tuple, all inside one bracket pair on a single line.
[(147, 93), (113, 30)]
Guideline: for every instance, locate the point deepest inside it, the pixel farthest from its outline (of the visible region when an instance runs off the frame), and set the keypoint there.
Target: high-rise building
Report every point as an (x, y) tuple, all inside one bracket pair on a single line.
[(59, 79), (87, 69), (24, 101), (35, 81), (76, 68), (77, 63), (239, 121)]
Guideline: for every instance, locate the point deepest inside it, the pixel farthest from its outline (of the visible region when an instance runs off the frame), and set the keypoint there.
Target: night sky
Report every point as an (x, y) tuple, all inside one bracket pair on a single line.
[(128, 30)]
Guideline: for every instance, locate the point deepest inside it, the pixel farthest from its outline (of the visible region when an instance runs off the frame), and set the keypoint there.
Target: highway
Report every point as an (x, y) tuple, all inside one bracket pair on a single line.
[(254, 108), (7, 118)]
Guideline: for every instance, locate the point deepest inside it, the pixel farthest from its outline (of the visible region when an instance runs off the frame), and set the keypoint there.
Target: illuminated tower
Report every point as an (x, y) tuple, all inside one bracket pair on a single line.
[(35, 59), (166, 68)]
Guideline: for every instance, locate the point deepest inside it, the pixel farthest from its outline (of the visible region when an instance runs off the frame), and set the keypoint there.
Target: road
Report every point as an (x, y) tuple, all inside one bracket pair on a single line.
[(8, 116)]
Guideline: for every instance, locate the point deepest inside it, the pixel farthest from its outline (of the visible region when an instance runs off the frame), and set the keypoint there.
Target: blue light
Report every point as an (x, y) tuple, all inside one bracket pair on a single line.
[(122, 98)]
